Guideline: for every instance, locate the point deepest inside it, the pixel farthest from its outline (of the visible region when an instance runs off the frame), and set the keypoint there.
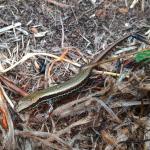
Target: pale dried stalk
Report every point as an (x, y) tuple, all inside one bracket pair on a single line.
[(2, 30), (44, 137), (75, 124), (134, 3), (58, 4)]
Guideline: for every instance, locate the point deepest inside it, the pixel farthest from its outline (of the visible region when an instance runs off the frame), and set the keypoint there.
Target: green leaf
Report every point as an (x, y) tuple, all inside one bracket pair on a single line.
[(143, 56)]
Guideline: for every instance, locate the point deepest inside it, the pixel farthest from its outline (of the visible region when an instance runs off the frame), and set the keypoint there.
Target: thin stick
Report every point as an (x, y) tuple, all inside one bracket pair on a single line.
[(2, 30), (63, 34), (58, 4)]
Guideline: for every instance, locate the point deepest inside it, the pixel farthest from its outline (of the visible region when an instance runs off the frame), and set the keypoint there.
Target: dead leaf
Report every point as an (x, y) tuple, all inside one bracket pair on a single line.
[(123, 10), (3, 120), (100, 13), (108, 138), (34, 30)]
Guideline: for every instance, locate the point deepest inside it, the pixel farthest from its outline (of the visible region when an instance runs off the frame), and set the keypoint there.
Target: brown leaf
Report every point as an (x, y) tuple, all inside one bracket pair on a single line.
[(108, 138), (36, 65), (3, 119), (34, 30), (123, 10), (100, 13)]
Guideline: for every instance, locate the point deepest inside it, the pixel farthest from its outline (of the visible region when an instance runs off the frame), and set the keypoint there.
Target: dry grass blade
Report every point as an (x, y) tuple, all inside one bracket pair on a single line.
[(44, 137), (3, 30), (69, 108), (6, 97), (74, 110), (109, 110), (73, 125), (109, 73), (58, 4), (128, 104), (147, 134)]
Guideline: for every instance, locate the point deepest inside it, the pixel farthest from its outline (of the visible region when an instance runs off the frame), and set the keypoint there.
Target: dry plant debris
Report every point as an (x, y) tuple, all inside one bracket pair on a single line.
[(43, 43)]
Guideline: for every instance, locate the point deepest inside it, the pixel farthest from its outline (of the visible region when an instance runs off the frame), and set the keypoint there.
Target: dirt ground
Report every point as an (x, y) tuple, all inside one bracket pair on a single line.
[(117, 117)]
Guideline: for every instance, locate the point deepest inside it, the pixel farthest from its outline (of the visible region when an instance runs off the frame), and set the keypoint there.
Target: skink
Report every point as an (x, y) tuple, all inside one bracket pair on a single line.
[(67, 87)]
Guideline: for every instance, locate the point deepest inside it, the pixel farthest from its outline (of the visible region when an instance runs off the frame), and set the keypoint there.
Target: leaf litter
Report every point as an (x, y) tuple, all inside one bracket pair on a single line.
[(43, 43)]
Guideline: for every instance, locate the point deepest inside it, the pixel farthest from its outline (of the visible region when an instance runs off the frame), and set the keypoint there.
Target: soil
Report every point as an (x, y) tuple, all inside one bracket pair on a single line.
[(85, 28)]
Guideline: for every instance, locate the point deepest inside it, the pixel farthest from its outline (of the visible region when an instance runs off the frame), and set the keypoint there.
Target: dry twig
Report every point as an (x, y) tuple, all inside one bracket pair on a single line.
[(58, 4)]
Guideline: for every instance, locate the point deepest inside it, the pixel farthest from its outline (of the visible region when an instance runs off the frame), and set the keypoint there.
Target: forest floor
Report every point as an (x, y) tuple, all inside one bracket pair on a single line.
[(44, 43)]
